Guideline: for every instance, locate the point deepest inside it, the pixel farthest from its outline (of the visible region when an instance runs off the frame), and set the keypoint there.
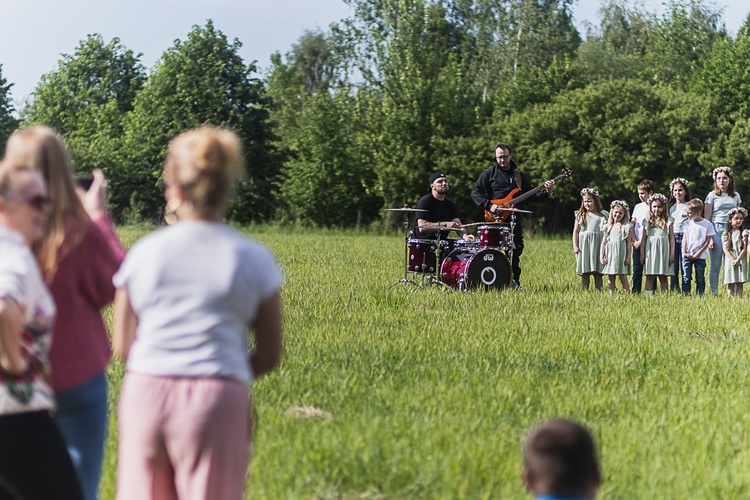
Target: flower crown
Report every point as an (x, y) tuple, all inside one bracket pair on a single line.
[(719, 170), (620, 203), (657, 197), (589, 192), (735, 211), (680, 180)]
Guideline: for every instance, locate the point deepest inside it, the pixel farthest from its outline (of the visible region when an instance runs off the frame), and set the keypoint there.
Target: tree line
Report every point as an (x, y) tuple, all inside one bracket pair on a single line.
[(353, 120)]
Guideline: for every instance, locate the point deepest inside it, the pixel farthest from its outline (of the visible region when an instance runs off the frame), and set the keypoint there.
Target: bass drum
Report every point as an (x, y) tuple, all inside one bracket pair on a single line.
[(467, 269)]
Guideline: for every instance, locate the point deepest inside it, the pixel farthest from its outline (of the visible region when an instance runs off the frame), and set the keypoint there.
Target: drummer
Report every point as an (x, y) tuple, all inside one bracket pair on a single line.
[(441, 217)]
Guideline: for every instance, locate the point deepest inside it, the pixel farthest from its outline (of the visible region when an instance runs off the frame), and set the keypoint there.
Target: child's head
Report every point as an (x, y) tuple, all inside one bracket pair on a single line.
[(657, 205), (560, 460), (679, 190), (590, 201), (645, 189), (694, 208), (723, 180), (618, 212), (736, 217)]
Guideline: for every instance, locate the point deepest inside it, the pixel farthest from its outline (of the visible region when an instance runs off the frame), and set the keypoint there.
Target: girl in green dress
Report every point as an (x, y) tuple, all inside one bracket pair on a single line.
[(587, 238), (658, 240), (734, 241), (617, 246)]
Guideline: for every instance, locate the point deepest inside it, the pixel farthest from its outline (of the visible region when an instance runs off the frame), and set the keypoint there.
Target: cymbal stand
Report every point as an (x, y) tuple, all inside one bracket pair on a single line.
[(405, 280), (512, 243), (434, 279)]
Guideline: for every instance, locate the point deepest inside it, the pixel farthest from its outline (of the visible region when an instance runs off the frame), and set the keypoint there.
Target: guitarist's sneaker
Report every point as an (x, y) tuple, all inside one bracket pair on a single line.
[(516, 286)]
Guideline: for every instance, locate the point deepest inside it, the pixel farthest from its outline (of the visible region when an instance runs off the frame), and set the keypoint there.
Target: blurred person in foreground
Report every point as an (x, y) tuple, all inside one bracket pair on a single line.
[(560, 462), (78, 256), (186, 297), (34, 462)]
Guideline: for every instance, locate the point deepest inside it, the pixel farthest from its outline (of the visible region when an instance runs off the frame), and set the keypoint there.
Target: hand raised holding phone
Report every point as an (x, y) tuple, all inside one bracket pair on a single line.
[(93, 198)]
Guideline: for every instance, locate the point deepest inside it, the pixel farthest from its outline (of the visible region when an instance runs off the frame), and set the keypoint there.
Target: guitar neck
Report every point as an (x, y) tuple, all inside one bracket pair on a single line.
[(532, 192)]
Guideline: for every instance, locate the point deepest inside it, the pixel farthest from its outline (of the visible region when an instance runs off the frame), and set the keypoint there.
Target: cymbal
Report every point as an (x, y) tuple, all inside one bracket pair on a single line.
[(487, 224), (405, 210), (439, 228)]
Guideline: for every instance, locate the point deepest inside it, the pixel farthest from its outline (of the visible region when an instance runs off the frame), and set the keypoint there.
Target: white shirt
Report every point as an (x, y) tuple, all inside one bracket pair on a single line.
[(678, 212), (694, 235), (640, 212), (21, 281), (196, 288)]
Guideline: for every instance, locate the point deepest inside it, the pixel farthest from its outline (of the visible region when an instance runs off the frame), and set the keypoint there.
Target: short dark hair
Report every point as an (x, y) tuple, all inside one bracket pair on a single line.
[(502, 145), (647, 185), (560, 456)]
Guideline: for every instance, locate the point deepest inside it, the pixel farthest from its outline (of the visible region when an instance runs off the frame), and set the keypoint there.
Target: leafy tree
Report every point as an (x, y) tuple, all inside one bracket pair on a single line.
[(8, 122), (409, 56), (617, 48), (326, 179), (87, 97), (202, 80), (613, 134), (682, 40), (725, 74)]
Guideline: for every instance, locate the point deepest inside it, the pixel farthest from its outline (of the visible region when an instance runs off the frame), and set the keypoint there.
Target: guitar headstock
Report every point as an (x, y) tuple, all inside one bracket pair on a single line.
[(566, 172)]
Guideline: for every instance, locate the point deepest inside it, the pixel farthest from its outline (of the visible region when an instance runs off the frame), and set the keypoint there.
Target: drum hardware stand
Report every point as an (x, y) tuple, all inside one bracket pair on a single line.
[(434, 279), (512, 247), (405, 280)]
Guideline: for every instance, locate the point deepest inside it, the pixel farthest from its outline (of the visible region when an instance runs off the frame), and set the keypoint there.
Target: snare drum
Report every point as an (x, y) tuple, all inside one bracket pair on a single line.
[(486, 268), (495, 237), (464, 244)]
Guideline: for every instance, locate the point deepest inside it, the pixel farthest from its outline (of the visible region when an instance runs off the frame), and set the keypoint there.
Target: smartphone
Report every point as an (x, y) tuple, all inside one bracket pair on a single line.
[(84, 181)]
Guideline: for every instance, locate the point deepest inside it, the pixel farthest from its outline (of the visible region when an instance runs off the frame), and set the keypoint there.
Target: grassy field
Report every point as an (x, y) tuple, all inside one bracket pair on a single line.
[(429, 394)]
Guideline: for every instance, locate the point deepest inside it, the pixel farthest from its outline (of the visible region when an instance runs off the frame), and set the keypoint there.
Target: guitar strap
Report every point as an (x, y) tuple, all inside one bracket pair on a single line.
[(517, 175)]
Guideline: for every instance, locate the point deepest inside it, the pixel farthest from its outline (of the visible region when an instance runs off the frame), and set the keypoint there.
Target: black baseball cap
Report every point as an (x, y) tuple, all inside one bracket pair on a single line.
[(436, 176)]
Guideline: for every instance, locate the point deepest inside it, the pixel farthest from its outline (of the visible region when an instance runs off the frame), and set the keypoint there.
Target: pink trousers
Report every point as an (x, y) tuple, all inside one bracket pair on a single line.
[(181, 437)]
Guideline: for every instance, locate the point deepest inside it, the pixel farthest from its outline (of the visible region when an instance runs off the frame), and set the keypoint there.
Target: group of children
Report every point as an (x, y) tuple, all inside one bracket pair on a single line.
[(664, 237)]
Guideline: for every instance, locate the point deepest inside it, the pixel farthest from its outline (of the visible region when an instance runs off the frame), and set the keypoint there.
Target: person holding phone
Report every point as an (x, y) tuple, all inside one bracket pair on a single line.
[(79, 254)]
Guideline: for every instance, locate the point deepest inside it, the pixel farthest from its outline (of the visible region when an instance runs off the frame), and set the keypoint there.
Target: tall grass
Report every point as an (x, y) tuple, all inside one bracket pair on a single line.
[(403, 392)]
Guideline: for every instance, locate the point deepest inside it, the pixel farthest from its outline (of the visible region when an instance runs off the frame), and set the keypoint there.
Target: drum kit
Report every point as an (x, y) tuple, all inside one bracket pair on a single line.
[(460, 264)]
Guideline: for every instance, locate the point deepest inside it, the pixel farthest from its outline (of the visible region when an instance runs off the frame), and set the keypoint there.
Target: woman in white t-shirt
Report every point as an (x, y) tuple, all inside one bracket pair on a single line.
[(34, 462), (187, 295), (716, 207)]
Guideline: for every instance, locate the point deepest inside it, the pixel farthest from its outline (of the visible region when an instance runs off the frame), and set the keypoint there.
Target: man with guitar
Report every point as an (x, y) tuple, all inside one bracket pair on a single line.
[(497, 189)]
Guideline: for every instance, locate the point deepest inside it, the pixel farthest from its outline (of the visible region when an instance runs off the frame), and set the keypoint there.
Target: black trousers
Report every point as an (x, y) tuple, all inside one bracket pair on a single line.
[(34, 462)]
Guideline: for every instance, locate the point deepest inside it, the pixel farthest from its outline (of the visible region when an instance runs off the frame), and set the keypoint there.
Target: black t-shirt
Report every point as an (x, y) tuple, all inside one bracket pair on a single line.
[(437, 211)]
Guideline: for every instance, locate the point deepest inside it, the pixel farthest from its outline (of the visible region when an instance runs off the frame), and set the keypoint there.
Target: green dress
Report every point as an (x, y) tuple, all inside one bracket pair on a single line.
[(739, 273), (657, 251), (617, 250), (590, 241)]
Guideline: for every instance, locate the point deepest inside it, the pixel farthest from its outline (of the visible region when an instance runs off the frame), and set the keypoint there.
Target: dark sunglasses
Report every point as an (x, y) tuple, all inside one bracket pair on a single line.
[(37, 201)]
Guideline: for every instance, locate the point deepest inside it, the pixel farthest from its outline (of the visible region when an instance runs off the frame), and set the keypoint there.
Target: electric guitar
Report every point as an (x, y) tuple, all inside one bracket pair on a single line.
[(514, 198)]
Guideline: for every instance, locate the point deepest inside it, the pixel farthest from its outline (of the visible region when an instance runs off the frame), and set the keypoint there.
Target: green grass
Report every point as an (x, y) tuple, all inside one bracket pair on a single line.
[(429, 394)]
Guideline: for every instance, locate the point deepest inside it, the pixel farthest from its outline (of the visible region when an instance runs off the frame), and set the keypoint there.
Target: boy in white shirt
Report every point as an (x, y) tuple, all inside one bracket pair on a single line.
[(697, 233), (640, 212)]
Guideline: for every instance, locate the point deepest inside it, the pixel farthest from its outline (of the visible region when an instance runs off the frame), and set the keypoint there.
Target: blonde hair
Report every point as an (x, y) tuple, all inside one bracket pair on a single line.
[(625, 216), (205, 163), (41, 148)]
